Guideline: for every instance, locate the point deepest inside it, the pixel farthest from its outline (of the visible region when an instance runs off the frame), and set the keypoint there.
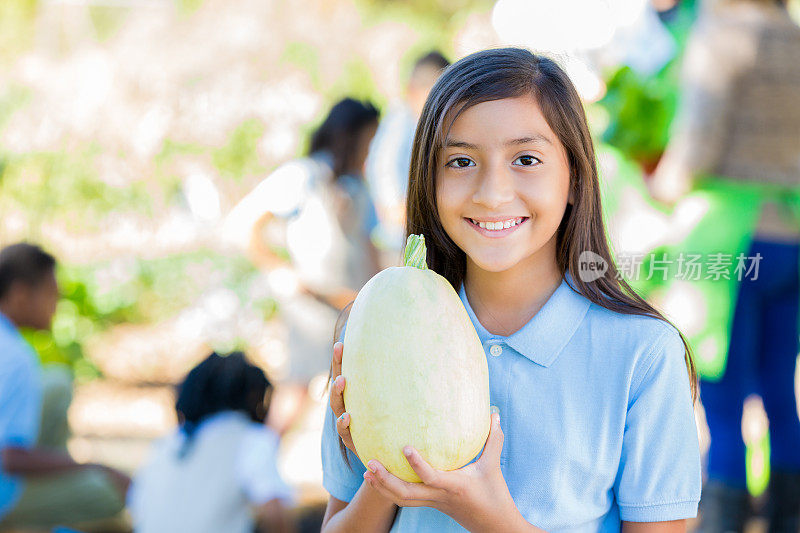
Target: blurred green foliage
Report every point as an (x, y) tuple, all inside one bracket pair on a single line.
[(641, 109), (18, 16), (187, 7), (14, 98), (435, 21), (96, 297), (239, 156), (304, 56), (48, 186), (356, 81), (106, 20), (16, 19)]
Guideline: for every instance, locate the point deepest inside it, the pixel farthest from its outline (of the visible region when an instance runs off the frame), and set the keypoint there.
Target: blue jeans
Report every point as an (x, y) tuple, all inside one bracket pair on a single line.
[(761, 360)]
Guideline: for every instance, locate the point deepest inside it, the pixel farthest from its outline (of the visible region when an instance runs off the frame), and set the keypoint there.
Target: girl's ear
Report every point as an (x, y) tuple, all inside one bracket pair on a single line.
[(571, 197)]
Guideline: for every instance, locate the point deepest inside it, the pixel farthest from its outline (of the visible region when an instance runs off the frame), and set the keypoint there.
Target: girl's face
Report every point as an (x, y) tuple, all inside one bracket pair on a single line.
[(502, 185)]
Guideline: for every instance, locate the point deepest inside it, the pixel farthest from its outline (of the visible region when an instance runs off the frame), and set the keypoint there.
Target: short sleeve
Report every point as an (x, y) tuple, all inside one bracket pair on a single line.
[(257, 468), (340, 480), (20, 398), (281, 193), (659, 476)]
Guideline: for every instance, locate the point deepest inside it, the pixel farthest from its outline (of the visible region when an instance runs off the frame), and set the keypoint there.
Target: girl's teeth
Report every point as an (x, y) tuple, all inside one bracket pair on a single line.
[(494, 226)]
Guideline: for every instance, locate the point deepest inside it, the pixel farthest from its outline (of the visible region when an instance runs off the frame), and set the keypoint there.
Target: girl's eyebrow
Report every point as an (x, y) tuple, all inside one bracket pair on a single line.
[(536, 138), (459, 144)]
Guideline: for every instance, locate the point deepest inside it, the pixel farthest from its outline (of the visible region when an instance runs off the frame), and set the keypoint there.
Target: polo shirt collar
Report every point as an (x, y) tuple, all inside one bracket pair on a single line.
[(546, 334)]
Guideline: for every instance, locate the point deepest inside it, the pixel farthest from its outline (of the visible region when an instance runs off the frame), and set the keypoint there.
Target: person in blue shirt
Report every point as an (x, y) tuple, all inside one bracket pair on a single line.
[(40, 484), (389, 158), (594, 387)]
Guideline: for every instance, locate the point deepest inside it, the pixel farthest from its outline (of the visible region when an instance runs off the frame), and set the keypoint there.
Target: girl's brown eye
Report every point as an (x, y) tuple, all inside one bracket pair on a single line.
[(527, 160), (460, 162)]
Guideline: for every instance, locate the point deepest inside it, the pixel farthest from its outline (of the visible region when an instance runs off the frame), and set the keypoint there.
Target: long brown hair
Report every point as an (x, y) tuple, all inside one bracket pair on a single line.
[(508, 73)]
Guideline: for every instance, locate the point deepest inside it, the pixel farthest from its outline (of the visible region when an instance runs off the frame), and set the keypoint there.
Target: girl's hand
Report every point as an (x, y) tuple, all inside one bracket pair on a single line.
[(336, 398), (476, 496)]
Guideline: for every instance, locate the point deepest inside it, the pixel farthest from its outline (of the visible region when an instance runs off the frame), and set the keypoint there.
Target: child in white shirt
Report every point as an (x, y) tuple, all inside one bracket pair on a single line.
[(217, 471)]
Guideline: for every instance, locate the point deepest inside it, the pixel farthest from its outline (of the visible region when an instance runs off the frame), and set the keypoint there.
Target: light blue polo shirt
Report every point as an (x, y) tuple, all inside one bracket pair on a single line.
[(20, 403), (598, 421)]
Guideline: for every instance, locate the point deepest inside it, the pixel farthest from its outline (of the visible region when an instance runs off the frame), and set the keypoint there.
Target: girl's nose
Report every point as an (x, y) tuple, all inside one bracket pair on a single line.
[(495, 188)]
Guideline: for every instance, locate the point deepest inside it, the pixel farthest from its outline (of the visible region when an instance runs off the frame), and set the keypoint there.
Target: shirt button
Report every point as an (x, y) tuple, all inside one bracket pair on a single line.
[(496, 350)]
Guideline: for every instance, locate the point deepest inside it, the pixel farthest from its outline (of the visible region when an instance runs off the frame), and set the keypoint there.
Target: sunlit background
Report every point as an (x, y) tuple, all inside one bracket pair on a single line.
[(130, 128)]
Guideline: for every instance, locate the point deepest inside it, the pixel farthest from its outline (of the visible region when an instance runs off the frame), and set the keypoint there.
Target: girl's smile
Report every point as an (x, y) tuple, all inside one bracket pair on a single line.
[(496, 227), (502, 185)]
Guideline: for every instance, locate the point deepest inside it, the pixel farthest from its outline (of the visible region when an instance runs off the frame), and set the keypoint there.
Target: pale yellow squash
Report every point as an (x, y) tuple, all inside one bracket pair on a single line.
[(416, 371)]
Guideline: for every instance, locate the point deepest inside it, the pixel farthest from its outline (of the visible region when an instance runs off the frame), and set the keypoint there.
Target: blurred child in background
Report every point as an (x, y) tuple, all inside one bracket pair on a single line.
[(390, 154), (738, 145), (217, 471), (323, 202), (41, 485)]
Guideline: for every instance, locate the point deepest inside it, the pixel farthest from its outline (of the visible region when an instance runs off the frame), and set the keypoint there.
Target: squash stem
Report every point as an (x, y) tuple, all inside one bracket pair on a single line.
[(416, 252)]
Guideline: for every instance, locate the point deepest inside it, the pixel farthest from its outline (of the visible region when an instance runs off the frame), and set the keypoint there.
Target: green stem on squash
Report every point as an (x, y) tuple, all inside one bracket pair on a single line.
[(416, 252)]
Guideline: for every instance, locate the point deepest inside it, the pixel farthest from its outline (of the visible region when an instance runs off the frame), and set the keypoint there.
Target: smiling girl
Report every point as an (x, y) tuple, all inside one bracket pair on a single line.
[(594, 387)]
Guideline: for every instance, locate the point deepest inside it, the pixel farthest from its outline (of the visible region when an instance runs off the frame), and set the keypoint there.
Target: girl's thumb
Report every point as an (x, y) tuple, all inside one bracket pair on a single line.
[(494, 444)]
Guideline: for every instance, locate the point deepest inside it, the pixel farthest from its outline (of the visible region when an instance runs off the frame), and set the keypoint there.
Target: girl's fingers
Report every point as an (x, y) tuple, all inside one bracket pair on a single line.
[(336, 365), (343, 428), (425, 471), (494, 442), (401, 491), (369, 478), (336, 396)]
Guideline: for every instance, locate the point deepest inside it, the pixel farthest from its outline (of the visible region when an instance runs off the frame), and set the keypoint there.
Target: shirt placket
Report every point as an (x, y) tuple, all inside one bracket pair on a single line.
[(500, 366)]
